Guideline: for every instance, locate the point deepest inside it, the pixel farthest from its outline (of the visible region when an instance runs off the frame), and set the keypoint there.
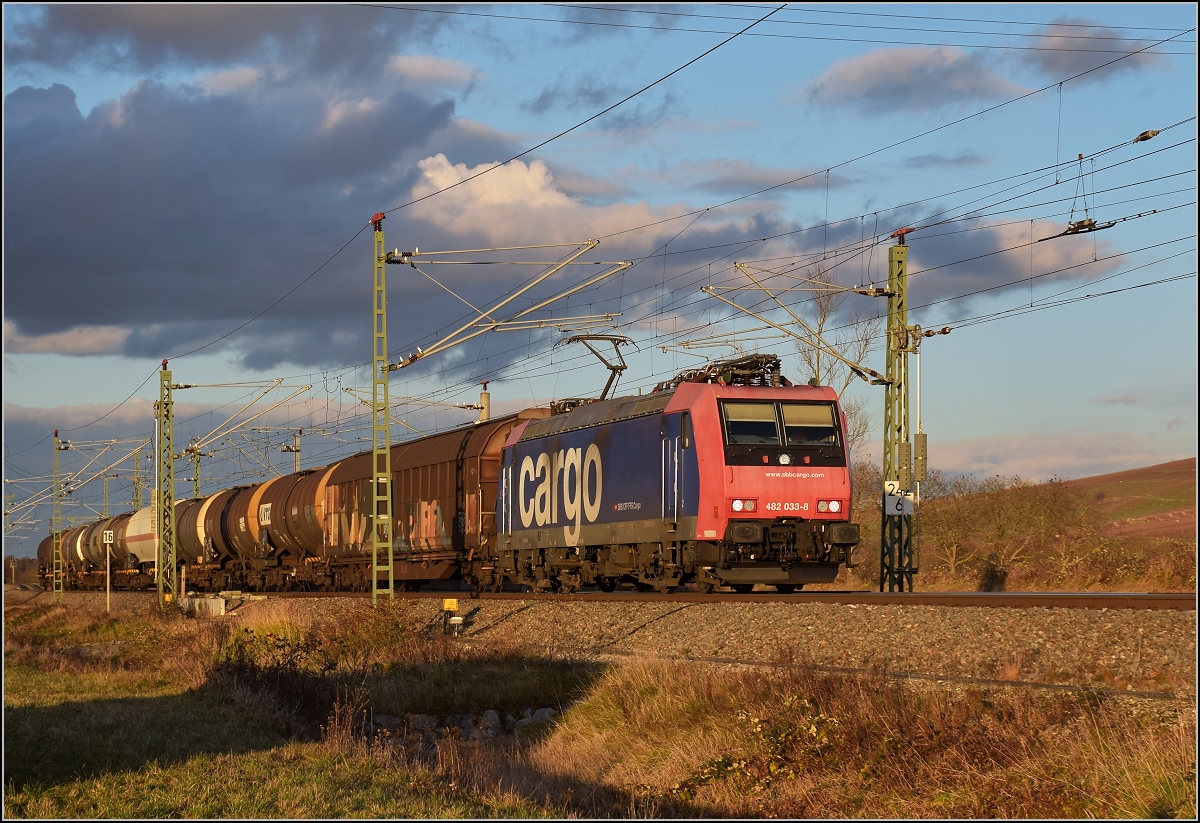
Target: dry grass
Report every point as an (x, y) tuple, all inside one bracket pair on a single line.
[(981, 534), (179, 717), (801, 744), (671, 739)]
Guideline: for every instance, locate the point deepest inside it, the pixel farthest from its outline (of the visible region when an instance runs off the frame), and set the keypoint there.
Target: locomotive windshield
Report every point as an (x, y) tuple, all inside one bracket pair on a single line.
[(810, 424), (751, 424), (758, 424)]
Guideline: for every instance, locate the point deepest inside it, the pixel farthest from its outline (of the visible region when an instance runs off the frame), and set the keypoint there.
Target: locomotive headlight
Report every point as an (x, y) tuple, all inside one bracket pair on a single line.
[(737, 505), (822, 506), (749, 505), (743, 505), (835, 506)]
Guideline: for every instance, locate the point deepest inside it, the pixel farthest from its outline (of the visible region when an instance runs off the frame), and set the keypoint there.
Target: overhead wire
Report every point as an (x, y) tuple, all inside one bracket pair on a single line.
[(410, 203), (720, 205), (775, 35), (743, 243)]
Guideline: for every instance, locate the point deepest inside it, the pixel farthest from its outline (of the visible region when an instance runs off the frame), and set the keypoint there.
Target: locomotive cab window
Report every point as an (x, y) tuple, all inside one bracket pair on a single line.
[(751, 424), (810, 424)]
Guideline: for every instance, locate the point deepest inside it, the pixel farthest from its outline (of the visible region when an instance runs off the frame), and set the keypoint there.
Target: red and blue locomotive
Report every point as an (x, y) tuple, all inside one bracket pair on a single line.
[(727, 475)]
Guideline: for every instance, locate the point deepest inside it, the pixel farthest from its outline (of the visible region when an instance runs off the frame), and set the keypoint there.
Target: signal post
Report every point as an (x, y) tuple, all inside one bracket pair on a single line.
[(905, 453)]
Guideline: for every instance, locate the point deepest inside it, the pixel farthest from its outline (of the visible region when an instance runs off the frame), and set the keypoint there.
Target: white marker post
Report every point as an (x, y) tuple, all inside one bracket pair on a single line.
[(896, 501), (108, 541)]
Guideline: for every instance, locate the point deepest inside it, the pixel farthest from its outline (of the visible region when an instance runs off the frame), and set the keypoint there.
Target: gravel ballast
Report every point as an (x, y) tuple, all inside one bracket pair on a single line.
[(1118, 649)]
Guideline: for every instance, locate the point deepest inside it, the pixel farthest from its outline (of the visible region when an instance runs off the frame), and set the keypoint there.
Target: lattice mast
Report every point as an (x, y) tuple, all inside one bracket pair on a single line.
[(896, 556), (57, 569), (381, 433), (167, 571)]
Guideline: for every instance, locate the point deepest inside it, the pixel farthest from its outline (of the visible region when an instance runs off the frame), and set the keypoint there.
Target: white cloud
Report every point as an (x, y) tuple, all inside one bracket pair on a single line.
[(1123, 400), (336, 113), (910, 80), (230, 81), (1039, 457), (434, 72), (80, 340), (134, 413), (517, 203)]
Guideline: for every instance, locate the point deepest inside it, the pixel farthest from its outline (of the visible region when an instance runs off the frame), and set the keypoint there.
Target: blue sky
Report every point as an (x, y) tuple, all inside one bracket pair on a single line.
[(193, 182)]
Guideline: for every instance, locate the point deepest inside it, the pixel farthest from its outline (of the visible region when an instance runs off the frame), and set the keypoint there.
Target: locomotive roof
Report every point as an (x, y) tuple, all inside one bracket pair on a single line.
[(599, 412)]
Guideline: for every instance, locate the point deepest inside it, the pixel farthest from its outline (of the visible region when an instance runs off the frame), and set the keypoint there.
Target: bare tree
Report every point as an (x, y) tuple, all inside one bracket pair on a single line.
[(853, 334)]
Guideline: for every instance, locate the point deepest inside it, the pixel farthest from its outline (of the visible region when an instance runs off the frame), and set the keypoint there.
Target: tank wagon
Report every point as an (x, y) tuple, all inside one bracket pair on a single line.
[(725, 476)]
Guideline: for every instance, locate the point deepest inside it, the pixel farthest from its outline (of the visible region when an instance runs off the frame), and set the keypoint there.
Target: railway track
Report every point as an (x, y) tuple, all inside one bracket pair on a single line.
[(1152, 601), (1136, 643), (1012, 600), (921, 676)]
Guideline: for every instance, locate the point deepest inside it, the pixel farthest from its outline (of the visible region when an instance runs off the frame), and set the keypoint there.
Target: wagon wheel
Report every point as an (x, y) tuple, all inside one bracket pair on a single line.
[(743, 588), (787, 588), (606, 584), (704, 587)]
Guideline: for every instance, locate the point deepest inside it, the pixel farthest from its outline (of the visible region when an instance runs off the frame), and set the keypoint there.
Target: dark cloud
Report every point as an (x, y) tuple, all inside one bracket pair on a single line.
[(590, 95), (1072, 45), (985, 259), (612, 21), (54, 107), (736, 177), (180, 214), (932, 161), (909, 80), (641, 113), (583, 93), (141, 37)]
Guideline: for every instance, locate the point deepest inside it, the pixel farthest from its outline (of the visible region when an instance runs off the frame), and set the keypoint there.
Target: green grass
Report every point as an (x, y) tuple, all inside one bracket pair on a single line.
[(27, 686), (289, 781), (53, 743), (137, 717)]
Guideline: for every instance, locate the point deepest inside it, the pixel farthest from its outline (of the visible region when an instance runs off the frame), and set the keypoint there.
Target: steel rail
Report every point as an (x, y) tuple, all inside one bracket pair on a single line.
[(906, 675), (1170, 601), (1147, 601)]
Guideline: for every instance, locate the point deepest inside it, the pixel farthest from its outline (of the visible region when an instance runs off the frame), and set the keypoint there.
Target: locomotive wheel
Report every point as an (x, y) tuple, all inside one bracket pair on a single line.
[(606, 584), (704, 587), (743, 588), (788, 588)]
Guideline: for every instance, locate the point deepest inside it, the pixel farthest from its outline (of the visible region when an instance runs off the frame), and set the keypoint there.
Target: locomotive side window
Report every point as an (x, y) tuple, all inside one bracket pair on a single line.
[(809, 424), (751, 424)]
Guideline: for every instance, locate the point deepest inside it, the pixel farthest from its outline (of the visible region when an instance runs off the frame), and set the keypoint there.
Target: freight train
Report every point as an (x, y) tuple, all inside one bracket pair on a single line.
[(726, 476)]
